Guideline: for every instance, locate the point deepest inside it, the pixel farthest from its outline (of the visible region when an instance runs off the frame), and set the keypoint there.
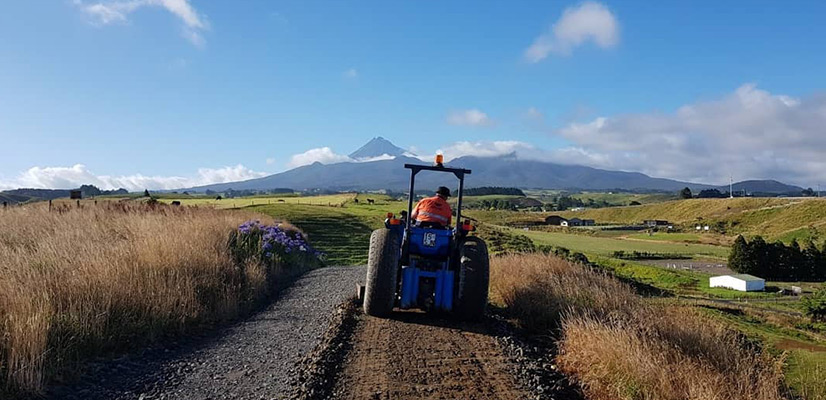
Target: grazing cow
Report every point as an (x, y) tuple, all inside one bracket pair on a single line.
[(356, 200), (280, 200), (176, 203), (371, 201)]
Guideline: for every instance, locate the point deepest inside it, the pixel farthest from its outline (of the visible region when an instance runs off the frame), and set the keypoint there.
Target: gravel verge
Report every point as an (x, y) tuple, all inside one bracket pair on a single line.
[(252, 359)]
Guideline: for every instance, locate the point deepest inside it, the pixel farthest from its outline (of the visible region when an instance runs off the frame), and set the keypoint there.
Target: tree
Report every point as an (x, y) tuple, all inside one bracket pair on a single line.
[(710, 194), (146, 193), (808, 192), (814, 305), (740, 258), (686, 193), (637, 203), (812, 257)]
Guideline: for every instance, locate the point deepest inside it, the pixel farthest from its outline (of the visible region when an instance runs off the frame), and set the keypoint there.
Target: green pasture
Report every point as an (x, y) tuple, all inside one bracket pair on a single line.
[(240, 202), (606, 246), (805, 351), (666, 237)]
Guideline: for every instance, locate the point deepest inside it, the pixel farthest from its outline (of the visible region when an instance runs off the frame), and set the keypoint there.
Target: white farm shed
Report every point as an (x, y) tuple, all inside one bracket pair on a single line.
[(741, 282)]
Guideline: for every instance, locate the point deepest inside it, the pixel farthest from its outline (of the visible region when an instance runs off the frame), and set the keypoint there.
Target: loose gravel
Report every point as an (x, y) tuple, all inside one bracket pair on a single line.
[(253, 359)]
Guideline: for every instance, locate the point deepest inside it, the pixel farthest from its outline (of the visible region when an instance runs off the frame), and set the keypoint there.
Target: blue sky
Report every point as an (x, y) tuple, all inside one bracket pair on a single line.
[(161, 93)]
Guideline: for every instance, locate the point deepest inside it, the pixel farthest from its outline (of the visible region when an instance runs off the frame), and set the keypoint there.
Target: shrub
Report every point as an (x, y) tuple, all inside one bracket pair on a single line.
[(814, 305)]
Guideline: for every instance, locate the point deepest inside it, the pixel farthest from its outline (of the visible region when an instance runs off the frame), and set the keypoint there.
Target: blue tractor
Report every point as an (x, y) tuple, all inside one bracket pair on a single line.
[(432, 268)]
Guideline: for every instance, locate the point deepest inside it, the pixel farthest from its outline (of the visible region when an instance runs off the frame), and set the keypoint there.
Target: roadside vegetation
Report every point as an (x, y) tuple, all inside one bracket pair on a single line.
[(77, 283), (620, 346)]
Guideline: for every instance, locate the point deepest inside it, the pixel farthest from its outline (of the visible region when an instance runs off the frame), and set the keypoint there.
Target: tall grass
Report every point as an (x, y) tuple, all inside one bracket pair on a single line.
[(81, 282), (620, 346)]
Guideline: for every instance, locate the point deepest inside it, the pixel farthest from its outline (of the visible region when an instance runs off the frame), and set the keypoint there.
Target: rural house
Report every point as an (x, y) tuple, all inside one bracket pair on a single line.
[(654, 222), (588, 222), (554, 220), (741, 282)]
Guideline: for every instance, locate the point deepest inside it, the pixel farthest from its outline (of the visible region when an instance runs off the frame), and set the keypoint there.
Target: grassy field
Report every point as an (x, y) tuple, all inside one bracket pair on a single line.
[(618, 198), (606, 246), (83, 282), (619, 345), (773, 218), (328, 200)]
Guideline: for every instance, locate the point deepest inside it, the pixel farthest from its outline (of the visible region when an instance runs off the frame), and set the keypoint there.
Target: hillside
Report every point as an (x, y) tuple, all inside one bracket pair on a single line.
[(774, 218)]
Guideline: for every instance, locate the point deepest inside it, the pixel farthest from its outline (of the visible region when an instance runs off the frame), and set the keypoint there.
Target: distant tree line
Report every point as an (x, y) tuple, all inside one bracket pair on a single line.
[(489, 190), (777, 261), (565, 202), (685, 193)]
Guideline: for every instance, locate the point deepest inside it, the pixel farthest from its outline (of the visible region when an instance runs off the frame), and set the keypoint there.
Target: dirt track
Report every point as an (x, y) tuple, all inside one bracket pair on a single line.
[(414, 356), (252, 359)]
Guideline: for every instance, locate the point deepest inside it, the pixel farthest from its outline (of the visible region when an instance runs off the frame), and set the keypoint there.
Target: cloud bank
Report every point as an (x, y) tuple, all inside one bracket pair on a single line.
[(78, 174), (590, 21), (326, 155), (105, 13), (750, 133)]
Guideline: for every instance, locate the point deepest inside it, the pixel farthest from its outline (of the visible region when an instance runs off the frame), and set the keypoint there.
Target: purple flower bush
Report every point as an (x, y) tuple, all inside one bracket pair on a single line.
[(273, 245)]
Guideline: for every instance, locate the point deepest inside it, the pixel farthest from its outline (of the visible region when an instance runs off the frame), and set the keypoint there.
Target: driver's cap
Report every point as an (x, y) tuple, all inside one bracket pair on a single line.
[(444, 191)]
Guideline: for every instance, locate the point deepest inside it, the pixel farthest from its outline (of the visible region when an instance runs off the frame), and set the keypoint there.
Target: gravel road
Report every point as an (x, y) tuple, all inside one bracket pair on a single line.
[(253, 359)]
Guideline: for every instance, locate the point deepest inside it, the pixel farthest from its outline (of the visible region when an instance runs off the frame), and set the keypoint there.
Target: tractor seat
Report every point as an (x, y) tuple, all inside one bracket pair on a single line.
[(430, 225)]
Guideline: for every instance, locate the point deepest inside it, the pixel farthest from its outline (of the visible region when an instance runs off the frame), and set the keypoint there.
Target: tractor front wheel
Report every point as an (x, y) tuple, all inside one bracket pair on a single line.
[(474, 276), (382, 268)]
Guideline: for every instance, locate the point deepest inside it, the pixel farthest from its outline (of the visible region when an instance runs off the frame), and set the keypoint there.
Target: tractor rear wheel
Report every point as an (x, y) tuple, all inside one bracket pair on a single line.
[(474, 276), (382, 268)]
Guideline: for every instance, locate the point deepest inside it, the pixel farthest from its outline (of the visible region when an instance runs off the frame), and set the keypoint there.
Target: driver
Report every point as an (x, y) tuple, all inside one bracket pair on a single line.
[(434, 210)]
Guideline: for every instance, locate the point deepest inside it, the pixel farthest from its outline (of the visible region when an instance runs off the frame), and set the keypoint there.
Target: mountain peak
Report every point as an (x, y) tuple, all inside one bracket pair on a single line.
[(378, 146)]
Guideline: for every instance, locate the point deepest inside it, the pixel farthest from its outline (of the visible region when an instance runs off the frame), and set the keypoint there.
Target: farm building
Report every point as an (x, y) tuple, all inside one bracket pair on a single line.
[(655, 222), (741, 282), (588, 222), (572, 222), (554, 220)]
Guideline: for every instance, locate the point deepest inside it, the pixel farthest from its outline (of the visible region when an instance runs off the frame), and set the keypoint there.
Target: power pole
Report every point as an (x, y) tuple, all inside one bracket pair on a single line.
[(730, 187)]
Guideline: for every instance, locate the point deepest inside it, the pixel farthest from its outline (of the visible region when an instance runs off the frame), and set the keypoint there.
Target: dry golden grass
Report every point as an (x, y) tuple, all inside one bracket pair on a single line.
[(82, 282), (619, 346)]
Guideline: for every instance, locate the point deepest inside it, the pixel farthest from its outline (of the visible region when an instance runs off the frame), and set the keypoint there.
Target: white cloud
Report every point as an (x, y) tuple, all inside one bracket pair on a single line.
[(74, 176), (485, 149), (750, 133), (376, 158), (110, 12), (351, 73), (324, 155), (590, 21), (472, 117)]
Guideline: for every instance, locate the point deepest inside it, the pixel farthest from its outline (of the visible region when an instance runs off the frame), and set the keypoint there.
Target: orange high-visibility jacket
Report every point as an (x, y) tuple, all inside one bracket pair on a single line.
[(432, 209)]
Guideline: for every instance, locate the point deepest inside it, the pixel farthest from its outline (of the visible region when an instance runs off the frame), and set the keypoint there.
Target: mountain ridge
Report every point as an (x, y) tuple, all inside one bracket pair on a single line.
[(377, 173), (377, 147)]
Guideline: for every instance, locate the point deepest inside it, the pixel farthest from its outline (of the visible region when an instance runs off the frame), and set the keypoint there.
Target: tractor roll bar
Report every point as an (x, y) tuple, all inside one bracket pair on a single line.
[(415, 169)]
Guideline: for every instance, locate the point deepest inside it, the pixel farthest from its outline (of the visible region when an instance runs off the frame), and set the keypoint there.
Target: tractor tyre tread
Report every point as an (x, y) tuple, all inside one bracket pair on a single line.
[(474, 278), (382, 268)]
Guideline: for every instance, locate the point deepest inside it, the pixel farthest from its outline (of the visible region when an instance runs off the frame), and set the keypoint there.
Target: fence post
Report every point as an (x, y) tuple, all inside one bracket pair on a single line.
[(5, 204), (50, 205)]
